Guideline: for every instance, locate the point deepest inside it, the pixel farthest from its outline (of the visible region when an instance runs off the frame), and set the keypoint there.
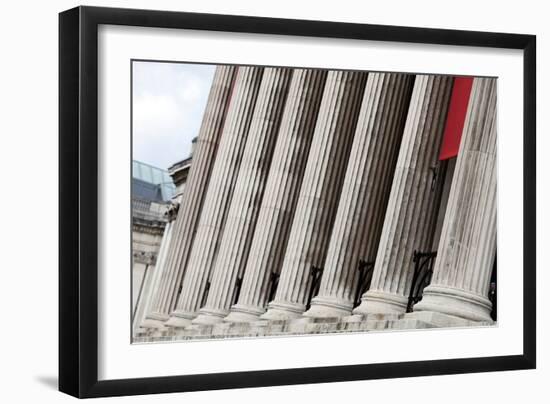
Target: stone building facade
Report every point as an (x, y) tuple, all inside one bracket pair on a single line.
[(333, 201), (155, 199)]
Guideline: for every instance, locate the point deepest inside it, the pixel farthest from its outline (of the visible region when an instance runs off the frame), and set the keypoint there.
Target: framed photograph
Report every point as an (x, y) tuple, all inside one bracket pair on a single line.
[(251, 201)]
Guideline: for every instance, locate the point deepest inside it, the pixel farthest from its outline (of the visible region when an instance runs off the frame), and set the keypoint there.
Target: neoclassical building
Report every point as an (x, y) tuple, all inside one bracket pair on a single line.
[(333, 201), (155, 199)]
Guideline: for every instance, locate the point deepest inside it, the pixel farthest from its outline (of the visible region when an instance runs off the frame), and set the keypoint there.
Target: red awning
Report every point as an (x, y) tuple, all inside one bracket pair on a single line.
[(455, 117)]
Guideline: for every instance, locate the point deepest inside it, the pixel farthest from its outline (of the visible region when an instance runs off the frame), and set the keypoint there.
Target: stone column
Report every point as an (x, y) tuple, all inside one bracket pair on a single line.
[(411, 215), (281, 193), (218, 196), (206, 147), (468, 243), (366, 191), (247, 195), (160, 266), (320, 191)]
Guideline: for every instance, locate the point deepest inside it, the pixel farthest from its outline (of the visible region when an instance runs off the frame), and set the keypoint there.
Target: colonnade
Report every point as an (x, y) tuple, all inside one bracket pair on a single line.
[(299, 172)]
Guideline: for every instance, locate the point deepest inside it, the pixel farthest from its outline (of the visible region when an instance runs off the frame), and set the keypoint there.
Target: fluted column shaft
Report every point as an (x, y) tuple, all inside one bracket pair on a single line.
[(218, 195), (415, 195), (366, 190), (323, 178), (468, 243), (160, 267), (247, 195), (281, 193), (206, 147)]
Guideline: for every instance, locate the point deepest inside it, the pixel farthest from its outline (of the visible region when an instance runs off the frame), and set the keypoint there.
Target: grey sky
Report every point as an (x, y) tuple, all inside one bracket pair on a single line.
[(168, 104)]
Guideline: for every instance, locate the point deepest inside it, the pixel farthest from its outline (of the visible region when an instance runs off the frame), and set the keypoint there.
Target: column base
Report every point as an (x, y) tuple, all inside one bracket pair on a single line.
[(323, 307), (241, 313), (154, 320), (180, 319), (378, 302), (283, 311), (210, 316), (455, 302)]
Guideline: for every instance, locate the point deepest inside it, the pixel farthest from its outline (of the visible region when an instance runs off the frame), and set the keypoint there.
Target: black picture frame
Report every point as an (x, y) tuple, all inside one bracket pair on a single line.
[(78, 201)]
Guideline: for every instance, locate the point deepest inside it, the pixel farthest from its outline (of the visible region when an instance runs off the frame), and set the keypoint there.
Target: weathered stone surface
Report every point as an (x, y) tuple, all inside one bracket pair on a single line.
[(365, 192), (281, 193), (412, 208), (441, 320), (369, 323), (149, 322), (247, 195), (218, 195), (165, 293), (303, 174), (467, 247), (318, 198)]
